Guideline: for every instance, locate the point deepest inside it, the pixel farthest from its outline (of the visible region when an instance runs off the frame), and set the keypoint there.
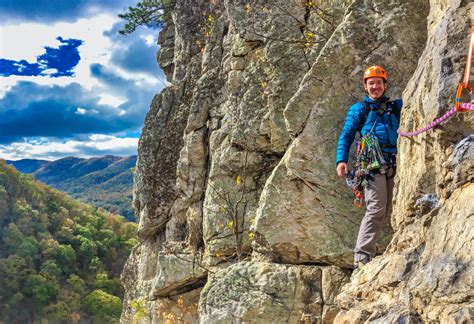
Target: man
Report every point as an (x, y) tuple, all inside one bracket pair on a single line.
[(379, 116)]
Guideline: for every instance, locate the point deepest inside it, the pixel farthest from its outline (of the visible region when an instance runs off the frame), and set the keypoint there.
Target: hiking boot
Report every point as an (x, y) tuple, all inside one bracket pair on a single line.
[(358, 268)]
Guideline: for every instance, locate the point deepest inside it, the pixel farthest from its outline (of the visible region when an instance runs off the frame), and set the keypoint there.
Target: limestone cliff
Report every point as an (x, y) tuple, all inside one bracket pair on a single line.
[(242, 217)]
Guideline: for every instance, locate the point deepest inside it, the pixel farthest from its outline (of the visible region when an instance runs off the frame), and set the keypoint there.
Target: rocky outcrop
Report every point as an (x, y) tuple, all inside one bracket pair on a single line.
[(235, 183), (272, 293), (426, 273), (303, 193), (262, 292)]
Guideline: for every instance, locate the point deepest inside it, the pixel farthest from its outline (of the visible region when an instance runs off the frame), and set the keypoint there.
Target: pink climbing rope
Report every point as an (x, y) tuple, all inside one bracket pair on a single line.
[(464, 106), (459, 107)]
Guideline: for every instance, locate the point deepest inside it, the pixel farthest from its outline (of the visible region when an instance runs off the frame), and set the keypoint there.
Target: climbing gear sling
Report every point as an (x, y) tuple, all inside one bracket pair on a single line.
[(370, 160)]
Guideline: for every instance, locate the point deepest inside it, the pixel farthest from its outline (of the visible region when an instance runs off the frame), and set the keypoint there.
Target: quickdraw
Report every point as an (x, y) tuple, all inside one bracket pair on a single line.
[(467, 74), (458, 106), (369, 160)]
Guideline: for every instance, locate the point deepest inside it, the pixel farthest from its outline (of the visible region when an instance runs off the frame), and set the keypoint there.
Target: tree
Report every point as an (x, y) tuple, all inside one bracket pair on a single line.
[(65, 258), (50, 270), (76, 284), (29, 249), (234, 205), (49, 255), (84, 231), (87, 251), (148, 13), (57, 311), (13, 271), (41, 290), (12, 237), (9, 309), (69, 301), (3, 203), (112, 286), (103, 306)]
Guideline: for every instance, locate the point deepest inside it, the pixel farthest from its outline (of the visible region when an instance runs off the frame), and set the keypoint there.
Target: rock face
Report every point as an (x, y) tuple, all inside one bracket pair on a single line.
[(262, 292), (426, 273), (303, 194), (235, 184)]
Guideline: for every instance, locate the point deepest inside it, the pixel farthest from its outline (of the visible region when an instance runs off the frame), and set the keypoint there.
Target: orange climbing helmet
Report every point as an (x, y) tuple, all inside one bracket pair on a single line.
[(375, 71)]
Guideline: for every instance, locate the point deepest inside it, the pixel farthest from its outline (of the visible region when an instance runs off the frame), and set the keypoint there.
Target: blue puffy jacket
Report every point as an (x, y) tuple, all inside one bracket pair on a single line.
[(385, 128)]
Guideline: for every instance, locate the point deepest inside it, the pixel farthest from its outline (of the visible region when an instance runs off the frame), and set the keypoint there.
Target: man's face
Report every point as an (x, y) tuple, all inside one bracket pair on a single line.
[(375, 87)]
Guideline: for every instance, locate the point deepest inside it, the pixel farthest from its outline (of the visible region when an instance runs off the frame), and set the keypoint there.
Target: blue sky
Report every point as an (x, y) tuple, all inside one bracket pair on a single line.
[(70, 85)]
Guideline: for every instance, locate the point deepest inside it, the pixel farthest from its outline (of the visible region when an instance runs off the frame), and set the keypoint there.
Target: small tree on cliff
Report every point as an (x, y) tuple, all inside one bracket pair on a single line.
[(148, 13), (234, 203)]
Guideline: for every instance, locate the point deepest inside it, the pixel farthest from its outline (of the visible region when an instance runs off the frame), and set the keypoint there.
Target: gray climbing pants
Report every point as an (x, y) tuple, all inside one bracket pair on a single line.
[(378, 198)]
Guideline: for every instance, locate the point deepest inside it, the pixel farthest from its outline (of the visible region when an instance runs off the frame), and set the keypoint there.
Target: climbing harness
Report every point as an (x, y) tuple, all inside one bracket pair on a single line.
[(370, 160), (459, 107), (390, 108)]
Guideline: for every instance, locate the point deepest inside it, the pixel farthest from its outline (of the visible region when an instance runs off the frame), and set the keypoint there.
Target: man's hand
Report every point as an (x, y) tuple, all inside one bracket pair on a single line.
[(342, 169)]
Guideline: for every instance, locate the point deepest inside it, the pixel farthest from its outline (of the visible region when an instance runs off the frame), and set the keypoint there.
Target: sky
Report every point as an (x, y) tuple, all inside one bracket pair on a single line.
[(70, 84)]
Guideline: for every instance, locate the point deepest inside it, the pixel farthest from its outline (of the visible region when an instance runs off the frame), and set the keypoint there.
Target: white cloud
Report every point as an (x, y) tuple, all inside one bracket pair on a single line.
[(97, 145), (84, 111), (149, 39), (114, 144), (26, 41), (81, 111), (101, 138), (93, 10), (108, 99), (17, 151), (96, 49), (49, 72)]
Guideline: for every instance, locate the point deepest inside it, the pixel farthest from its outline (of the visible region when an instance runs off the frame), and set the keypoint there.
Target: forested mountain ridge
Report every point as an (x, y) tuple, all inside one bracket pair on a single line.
[(28, 165), (59, 259), (103, 181)]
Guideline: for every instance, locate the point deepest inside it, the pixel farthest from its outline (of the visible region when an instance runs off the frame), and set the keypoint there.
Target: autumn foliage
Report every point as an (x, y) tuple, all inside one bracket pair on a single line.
[(60, 260)]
